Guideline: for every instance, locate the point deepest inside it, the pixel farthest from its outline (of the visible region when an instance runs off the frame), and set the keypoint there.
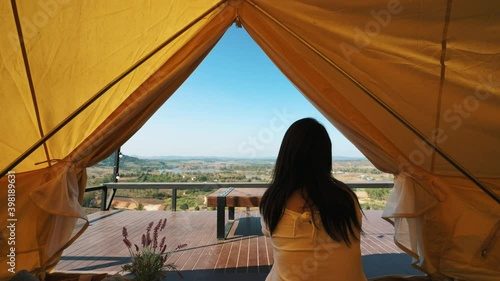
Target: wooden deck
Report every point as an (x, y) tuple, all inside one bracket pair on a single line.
[(101, 248)]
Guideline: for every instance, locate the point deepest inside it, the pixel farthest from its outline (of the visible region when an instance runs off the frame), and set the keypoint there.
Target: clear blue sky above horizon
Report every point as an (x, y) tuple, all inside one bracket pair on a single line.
[(237, 104)]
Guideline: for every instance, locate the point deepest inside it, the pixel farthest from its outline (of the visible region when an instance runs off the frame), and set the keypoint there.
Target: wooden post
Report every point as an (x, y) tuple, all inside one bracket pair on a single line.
[(174, 199), (221, 217), (104, 198)]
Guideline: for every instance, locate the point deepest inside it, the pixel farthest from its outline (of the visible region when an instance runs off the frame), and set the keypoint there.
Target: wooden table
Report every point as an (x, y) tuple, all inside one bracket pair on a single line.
[(232, 197)]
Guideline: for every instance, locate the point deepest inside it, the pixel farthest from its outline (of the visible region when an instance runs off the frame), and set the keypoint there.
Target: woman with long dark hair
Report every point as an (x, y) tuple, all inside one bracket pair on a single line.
[(313, 219)]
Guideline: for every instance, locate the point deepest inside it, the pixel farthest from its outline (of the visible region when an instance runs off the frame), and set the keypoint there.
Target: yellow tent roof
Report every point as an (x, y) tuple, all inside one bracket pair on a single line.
[(413, 84)]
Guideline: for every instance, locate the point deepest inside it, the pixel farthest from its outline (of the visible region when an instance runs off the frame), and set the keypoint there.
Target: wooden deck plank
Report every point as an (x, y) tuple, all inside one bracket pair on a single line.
[(193, 234), (242, 264), (181, 226), (100, 248), (262, 253), (208, 259), (253, 252), (224, 255), (90, 252), (234, 251), (195, 252), (200, 255)]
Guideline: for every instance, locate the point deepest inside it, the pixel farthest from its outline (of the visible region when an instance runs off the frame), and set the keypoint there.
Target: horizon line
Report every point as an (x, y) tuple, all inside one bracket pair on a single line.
[(229, 157)]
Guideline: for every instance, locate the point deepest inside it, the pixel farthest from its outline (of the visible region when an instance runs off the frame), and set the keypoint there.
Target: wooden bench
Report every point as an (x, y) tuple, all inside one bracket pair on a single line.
[(231, 198)]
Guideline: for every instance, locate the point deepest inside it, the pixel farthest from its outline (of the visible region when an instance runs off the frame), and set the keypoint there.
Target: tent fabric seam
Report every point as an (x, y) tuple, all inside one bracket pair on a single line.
[(443, 75)]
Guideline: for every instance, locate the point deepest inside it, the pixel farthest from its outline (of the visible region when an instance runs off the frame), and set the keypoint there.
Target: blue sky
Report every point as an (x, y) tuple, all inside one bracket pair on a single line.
[(236, 104)]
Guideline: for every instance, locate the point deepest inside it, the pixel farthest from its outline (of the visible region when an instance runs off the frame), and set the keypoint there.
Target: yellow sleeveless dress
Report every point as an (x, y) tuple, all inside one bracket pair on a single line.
[(304, 252)]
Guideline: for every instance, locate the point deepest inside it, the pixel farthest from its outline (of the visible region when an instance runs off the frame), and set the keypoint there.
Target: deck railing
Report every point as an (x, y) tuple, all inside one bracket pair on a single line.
[(107, 199)]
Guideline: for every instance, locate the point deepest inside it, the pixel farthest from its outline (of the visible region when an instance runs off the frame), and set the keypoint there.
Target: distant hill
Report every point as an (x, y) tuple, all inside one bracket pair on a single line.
[(204, 158), (147, 160), (110, 161), (348, 158), (217, 158)]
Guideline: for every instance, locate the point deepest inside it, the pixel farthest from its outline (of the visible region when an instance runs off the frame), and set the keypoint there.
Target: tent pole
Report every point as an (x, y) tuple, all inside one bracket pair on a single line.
[(28, 75), (89, 102), (116, 174), (379, 102), (116, 166)]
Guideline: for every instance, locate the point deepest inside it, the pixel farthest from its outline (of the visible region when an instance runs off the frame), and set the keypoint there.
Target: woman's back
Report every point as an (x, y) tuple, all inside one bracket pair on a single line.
[(314, 220), (303, 250)]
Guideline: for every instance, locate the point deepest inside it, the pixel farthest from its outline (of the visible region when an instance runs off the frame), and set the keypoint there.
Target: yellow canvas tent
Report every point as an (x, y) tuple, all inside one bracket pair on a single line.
[(414, 84)]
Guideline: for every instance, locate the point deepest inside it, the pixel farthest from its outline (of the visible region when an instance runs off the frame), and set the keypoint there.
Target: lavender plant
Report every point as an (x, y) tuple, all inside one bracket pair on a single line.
[(149, 261)]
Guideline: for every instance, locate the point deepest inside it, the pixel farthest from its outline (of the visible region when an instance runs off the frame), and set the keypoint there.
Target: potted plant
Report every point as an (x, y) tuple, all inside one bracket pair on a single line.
[(150, 260)]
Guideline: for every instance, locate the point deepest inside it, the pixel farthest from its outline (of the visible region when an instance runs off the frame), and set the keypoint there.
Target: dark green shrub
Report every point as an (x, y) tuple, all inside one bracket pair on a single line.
[(88, 199), (378, 193)]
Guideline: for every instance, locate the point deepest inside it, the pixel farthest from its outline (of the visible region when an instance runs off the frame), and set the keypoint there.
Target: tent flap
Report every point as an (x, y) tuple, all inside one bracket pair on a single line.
[(392, 76), (359, 65), (54, 193)]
